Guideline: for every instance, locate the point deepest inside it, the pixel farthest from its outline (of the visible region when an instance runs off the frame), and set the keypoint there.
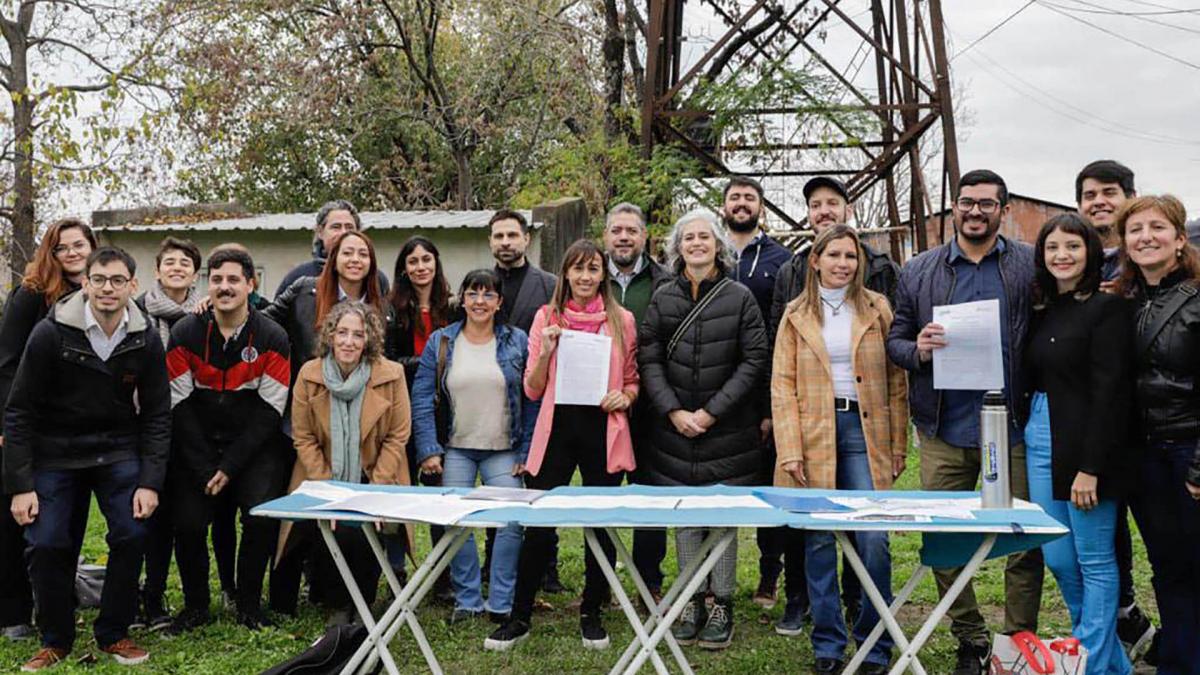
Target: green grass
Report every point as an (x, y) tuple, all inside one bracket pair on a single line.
[(224, 647)]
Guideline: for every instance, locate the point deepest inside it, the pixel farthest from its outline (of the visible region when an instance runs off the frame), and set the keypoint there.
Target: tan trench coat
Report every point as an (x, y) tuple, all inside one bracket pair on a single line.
[(802, 396), (385, 426)]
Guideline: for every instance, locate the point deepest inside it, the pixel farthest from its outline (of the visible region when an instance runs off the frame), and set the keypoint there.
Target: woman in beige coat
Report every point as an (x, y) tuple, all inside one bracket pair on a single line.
[(350, 422), (841, 422)]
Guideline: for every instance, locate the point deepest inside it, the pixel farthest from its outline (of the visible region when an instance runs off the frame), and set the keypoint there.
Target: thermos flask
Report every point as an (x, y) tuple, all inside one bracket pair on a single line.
[(996, 492)]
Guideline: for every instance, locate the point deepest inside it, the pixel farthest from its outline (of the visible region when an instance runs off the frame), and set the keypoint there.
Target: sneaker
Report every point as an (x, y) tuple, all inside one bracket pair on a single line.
[(188, 620), (499, 618), (552, 584), (592, 630), (1135, 632), (17, 632), (825, 666), (505, 637), (718, 630), (972, 659), (45, 658), (765, 595), (792, 622), (254, 618), (691, 620), (126, 653), (464, 615), (155, 615)]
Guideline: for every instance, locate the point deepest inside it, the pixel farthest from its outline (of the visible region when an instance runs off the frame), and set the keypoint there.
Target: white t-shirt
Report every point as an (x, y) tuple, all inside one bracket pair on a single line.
[(480, 397), (839, 320)]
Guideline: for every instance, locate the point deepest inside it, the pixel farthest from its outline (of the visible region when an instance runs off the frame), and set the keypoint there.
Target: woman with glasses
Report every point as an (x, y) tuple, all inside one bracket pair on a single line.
[(57, 269), (472, 420)]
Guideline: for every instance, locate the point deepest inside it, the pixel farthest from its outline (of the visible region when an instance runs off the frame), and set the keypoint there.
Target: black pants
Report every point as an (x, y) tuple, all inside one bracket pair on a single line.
[(1124, 546), (224, 543), (649, 546), (309, 544), (160, 542), (794, 579), (578, 439), (193, 512), (16, 596)]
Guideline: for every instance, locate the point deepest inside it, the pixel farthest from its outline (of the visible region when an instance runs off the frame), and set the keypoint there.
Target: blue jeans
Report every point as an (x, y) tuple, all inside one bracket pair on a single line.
[(1084, 561), (1169, 520), (459, 470), (54, 539), (829, 628)]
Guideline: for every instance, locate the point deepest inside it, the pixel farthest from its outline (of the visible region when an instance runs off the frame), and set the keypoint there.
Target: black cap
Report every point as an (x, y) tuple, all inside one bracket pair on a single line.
[(825, 181)]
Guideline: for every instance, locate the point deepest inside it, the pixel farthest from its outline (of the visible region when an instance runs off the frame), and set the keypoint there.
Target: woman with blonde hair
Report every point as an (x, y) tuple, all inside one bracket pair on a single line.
[(350, 422), (840, 409)]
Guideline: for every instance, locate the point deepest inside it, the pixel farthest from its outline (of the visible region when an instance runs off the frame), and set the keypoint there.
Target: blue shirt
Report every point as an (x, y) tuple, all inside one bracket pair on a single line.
[(958, 423)]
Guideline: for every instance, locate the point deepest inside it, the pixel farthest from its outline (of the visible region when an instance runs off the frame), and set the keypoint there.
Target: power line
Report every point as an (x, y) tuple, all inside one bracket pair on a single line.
[(1108, 11), (1118, 12), (1144, 3), (1106, 31), (995, 28)]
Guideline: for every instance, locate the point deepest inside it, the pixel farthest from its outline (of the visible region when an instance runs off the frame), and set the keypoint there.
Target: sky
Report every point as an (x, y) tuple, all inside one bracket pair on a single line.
[(1044, 94)]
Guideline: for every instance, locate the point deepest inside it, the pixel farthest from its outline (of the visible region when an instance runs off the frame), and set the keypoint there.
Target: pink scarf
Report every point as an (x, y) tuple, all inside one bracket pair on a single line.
[(588, 319)]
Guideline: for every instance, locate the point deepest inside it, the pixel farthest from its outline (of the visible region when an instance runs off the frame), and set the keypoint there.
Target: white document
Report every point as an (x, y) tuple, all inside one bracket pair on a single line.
[(605, 502), (973, 358), (868, 508), (581, 376), (723, 502), (433, 509), (320, 489), (872, 516)]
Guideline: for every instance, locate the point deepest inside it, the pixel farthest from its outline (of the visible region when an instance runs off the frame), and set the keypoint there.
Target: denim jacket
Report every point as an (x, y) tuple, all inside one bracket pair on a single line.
[(512, 351)]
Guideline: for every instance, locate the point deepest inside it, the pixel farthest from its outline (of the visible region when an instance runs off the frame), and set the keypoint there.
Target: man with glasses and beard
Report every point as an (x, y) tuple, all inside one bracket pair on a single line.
[(759, 258), (977, 264)]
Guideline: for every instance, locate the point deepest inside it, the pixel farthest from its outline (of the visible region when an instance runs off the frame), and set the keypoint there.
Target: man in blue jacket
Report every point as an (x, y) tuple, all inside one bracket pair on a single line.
[(977, 264), (89, 414)]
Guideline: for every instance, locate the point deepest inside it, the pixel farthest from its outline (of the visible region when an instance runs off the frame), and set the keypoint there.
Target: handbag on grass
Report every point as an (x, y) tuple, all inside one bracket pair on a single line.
[(1025, 654)]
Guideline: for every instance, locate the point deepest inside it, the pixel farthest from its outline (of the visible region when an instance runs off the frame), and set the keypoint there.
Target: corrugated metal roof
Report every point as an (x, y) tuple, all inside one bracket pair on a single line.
[(372, 220)]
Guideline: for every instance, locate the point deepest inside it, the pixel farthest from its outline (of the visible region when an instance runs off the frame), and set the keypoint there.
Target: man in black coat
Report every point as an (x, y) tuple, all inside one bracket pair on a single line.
[(89, 413), (229, 374)]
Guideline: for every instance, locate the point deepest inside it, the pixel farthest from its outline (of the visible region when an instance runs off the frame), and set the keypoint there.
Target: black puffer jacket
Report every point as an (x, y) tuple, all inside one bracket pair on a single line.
[(296, 310), (716, 365), (1168, 363)]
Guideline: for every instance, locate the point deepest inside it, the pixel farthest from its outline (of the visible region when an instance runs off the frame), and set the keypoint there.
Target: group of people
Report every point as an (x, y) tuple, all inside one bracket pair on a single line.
[(736, 362)]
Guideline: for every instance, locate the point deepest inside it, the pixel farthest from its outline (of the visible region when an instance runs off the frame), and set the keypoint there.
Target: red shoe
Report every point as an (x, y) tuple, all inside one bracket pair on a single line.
[(45, 658), (126, 652)]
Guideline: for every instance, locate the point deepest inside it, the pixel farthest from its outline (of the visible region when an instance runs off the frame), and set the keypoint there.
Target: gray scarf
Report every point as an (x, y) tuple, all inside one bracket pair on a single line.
[(345, 412), (166, 311)]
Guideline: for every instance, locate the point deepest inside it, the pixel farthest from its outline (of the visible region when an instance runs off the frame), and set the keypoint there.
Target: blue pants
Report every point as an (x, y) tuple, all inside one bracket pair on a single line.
[(1084, 561), (829, 627), (459, 470), (54, 539), (1170, 523)]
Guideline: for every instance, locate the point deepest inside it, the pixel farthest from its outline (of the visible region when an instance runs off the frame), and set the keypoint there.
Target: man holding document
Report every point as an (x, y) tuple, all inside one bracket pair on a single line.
[(962, 314)]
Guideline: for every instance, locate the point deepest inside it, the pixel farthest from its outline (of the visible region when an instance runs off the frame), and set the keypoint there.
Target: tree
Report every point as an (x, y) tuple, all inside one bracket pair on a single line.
[(59, 56)]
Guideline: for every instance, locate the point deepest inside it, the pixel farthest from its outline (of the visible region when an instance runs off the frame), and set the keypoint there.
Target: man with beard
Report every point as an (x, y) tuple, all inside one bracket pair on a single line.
[(1101, 189), (759, 258), (333, 219), (633, 276), (977, 264), (229, 374)]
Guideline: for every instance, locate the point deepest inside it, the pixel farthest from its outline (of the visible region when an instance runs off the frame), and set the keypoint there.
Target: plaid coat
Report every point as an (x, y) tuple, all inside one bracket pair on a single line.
[(802, 396)]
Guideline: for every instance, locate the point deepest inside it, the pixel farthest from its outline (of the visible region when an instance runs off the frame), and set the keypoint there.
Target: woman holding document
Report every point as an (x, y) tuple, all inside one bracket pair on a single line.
[(472, 419), (1078, 364), (582, 422), (840, 408), (703, 352), (350, 422), (1161, 272)]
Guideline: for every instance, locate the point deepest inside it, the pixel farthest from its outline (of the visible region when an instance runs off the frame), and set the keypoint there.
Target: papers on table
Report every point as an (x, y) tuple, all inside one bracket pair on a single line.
[(907, 510), (605, 502), (499, 494), (325, 490), (800, 504), (973, 358), (581, 376), (422, 508), (722, 502)]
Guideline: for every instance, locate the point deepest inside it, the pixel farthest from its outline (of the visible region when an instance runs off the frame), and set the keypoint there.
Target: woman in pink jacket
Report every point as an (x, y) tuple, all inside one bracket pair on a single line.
[(594, 438)]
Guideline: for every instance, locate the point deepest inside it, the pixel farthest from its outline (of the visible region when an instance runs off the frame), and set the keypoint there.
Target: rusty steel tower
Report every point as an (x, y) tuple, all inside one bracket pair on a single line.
[(897, 81)]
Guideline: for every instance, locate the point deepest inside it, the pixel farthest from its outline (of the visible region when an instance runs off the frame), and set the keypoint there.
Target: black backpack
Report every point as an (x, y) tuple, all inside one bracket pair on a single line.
[(328, 655)]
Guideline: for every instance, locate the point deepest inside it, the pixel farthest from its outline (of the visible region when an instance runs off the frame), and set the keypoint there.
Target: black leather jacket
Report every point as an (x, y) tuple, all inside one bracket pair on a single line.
[(1168, 363)]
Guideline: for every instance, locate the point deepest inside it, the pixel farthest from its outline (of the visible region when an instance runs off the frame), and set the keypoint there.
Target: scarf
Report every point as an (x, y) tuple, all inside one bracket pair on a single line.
[(345, 412), (589, 319), (166, 311)]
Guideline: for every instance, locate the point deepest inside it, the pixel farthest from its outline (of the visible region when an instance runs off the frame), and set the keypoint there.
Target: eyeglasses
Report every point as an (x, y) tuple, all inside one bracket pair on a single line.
[(118, 281), (80, 246), (965, 204), (474, 296)]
